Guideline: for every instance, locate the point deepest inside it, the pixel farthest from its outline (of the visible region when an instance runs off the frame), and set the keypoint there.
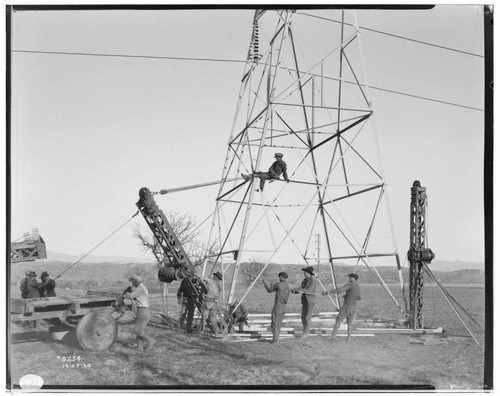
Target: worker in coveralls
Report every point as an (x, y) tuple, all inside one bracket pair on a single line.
[(277, 168), (282, 289), (140, 298), (237, 315), (186, 299), (47, 286), (308, 298), (214, 287), (348, 310)]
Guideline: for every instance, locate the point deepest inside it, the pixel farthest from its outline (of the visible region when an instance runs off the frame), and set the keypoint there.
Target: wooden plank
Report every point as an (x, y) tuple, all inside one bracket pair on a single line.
[(402, 331), (292, 314), (55, 314)]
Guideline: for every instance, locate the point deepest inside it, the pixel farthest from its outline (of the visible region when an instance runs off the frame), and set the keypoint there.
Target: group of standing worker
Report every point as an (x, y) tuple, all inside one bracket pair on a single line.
[(31, 288), (308, 300), (211, 310)]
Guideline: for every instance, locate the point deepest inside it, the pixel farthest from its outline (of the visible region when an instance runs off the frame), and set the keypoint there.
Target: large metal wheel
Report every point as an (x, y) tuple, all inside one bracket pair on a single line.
[(96, 331)]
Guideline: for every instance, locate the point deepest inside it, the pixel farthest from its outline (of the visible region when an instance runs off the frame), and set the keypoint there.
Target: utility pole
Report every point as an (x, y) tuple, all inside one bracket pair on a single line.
[(418, 254)]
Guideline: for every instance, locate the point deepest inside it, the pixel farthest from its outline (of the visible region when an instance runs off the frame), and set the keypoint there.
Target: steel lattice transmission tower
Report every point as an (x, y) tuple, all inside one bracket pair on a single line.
[(303, 93)]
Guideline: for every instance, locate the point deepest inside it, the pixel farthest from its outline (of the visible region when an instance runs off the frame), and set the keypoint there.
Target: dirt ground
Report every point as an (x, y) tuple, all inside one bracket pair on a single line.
[(186, 361)]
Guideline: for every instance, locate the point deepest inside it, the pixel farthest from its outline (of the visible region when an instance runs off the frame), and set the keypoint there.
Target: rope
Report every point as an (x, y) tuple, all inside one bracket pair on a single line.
[(104, 240), (446, 296), (433, 303), (463, 309)]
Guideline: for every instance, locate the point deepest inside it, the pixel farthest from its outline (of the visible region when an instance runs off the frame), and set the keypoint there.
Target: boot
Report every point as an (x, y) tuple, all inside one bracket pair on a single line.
[(246, 177), (335, 328), (348, 332), (305, 332), (140, 343), (150, 342)]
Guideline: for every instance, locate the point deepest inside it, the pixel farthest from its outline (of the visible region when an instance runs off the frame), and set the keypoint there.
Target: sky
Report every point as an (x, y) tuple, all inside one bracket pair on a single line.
[(89, 131)]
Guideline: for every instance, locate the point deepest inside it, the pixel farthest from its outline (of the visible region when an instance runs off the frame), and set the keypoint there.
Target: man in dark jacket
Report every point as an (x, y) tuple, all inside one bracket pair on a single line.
[(33, 286), (277, 168), (25, 293), (308, 298), (282, 289), (186, 299), (348, 310), (47, 286)]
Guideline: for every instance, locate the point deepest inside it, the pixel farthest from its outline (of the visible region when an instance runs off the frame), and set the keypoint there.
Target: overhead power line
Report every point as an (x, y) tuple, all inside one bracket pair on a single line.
[(231, 61), (398, 36), (131, 56)]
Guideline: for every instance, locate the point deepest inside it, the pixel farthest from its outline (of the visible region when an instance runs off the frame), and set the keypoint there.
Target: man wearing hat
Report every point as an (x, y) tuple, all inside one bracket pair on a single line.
[(47, 286), (353, 293), (277, 168), (282, 289), (140, 297), (211, 307), (308, 298), (25, 293), (33, 291), (236, 315)]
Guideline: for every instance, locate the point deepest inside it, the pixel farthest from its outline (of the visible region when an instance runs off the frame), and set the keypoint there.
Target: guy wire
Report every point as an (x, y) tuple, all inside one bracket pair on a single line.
[(104, 240)]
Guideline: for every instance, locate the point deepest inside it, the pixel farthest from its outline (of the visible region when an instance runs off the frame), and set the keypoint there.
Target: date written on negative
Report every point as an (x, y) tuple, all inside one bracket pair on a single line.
[(73, 362)]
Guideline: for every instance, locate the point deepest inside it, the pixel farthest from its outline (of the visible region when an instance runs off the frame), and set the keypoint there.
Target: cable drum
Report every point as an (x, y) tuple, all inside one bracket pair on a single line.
[(168, 274)]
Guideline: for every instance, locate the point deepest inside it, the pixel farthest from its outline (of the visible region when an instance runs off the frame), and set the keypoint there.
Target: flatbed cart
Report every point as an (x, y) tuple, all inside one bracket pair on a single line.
[(93, 316)]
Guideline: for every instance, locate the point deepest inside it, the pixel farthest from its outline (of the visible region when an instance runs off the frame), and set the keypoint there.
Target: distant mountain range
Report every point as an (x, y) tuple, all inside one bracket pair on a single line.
[(71, 258), (448, 266), (436, 265)]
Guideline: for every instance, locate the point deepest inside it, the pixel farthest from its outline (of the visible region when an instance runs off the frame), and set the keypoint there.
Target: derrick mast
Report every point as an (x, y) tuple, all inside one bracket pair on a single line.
[(177, 264), (418, 254)]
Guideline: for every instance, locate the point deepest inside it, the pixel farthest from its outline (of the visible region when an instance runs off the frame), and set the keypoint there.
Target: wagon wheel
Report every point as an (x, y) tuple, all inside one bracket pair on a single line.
[(96, 331)]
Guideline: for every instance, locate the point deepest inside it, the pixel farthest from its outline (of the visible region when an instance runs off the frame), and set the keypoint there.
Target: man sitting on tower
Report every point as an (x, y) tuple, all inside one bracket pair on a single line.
[(277, 168)]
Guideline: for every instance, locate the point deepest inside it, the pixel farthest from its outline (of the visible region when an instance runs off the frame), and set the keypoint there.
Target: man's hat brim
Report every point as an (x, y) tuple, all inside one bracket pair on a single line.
[(218, 275), (308, 269), (136, 278)]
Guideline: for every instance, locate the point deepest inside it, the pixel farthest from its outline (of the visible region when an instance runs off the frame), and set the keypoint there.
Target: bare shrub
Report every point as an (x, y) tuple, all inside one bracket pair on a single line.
[(251, 270)]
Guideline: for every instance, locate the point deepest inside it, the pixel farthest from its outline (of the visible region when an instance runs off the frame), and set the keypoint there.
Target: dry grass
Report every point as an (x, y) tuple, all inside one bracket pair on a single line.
[(180, 360)]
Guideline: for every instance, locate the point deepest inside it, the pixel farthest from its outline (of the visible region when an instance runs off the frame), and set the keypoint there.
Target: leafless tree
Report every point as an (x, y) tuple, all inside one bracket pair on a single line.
[(185, 228), (252, 269)]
